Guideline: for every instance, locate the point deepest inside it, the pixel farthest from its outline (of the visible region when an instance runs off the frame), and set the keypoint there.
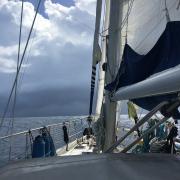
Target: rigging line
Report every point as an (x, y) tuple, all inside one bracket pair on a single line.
[(104, 14), (122, 25), (178, 5), (127, 23), (19, 49), (124, 20), (101, 37), (84, 24), (21, 77), (152, 18), (20, 32), (103, 31), (152, 30), (130, 5), (19, 84), (103, 22), (18, 57), (167, 12), (20, 64), (108, 27), (127, 15)]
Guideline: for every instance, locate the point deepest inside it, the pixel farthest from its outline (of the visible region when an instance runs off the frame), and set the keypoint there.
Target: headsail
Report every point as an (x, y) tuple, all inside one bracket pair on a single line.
[(96, 52), (101, 75)]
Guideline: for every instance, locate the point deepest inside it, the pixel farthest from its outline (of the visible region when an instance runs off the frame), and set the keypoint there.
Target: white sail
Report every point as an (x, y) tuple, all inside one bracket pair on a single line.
[(103, 60), (96, 48), (147, 21), (140, 25), (113, 59)]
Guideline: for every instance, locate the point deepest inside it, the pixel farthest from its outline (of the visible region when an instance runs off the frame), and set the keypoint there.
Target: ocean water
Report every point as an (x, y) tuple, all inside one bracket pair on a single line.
[(23, 124), (19, 147)]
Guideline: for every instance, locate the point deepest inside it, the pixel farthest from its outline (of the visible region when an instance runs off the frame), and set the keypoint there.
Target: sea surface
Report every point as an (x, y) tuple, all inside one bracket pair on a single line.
[(26, 123), (19, 147)]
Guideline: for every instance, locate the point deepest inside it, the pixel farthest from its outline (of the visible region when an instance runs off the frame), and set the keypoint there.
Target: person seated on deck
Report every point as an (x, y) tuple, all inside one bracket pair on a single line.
[(169, 147), (88, 132)]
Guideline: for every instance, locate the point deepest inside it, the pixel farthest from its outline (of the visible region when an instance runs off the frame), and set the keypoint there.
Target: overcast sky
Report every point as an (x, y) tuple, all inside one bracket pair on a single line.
[(55, 77)]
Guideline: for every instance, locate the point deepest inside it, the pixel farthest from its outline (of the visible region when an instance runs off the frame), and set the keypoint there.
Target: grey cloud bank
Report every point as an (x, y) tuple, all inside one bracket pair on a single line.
[(55, 78)]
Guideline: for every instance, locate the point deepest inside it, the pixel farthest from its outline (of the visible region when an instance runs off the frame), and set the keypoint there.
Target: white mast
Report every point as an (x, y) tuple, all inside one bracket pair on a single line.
[(103, 59), (113, 51)]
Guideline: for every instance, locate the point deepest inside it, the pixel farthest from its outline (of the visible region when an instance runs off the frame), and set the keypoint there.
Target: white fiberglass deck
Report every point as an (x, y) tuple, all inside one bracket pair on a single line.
[(78, 150), (96, 167), (78, 147)]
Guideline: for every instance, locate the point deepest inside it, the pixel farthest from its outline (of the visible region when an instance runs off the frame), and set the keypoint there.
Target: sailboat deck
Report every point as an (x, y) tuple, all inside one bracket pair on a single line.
[(82, 148), (93, 166), (77, 147)]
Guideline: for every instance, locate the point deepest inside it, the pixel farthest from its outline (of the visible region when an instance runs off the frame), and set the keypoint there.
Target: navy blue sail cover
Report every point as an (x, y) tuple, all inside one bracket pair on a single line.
[(135, 68)]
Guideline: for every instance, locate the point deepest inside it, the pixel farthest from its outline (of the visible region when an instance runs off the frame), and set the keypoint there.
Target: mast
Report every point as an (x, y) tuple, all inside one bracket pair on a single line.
[(103, 59), (113, 59)]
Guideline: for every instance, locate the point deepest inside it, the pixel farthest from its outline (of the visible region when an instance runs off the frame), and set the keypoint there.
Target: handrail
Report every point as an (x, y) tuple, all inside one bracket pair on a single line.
[(169, 109), (75, 134), (27, 131), (23, 150), (35, 129), (143, 135), (139, 123)]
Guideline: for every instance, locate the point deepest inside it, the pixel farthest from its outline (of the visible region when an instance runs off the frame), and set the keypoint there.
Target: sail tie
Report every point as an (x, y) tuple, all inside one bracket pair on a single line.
[(167, 12), (178, 5)]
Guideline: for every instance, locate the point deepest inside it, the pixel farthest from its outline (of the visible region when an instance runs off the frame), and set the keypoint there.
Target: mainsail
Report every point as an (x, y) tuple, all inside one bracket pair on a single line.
[(136, 28), (161, 51)]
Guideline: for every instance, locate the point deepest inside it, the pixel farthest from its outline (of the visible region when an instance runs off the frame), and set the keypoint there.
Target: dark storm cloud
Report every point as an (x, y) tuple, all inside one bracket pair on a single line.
[(51, 102), (56, 79), (50, 87)]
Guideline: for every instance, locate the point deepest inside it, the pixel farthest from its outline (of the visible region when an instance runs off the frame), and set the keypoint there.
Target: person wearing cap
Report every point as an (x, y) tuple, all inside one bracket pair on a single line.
[(65, 133)]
